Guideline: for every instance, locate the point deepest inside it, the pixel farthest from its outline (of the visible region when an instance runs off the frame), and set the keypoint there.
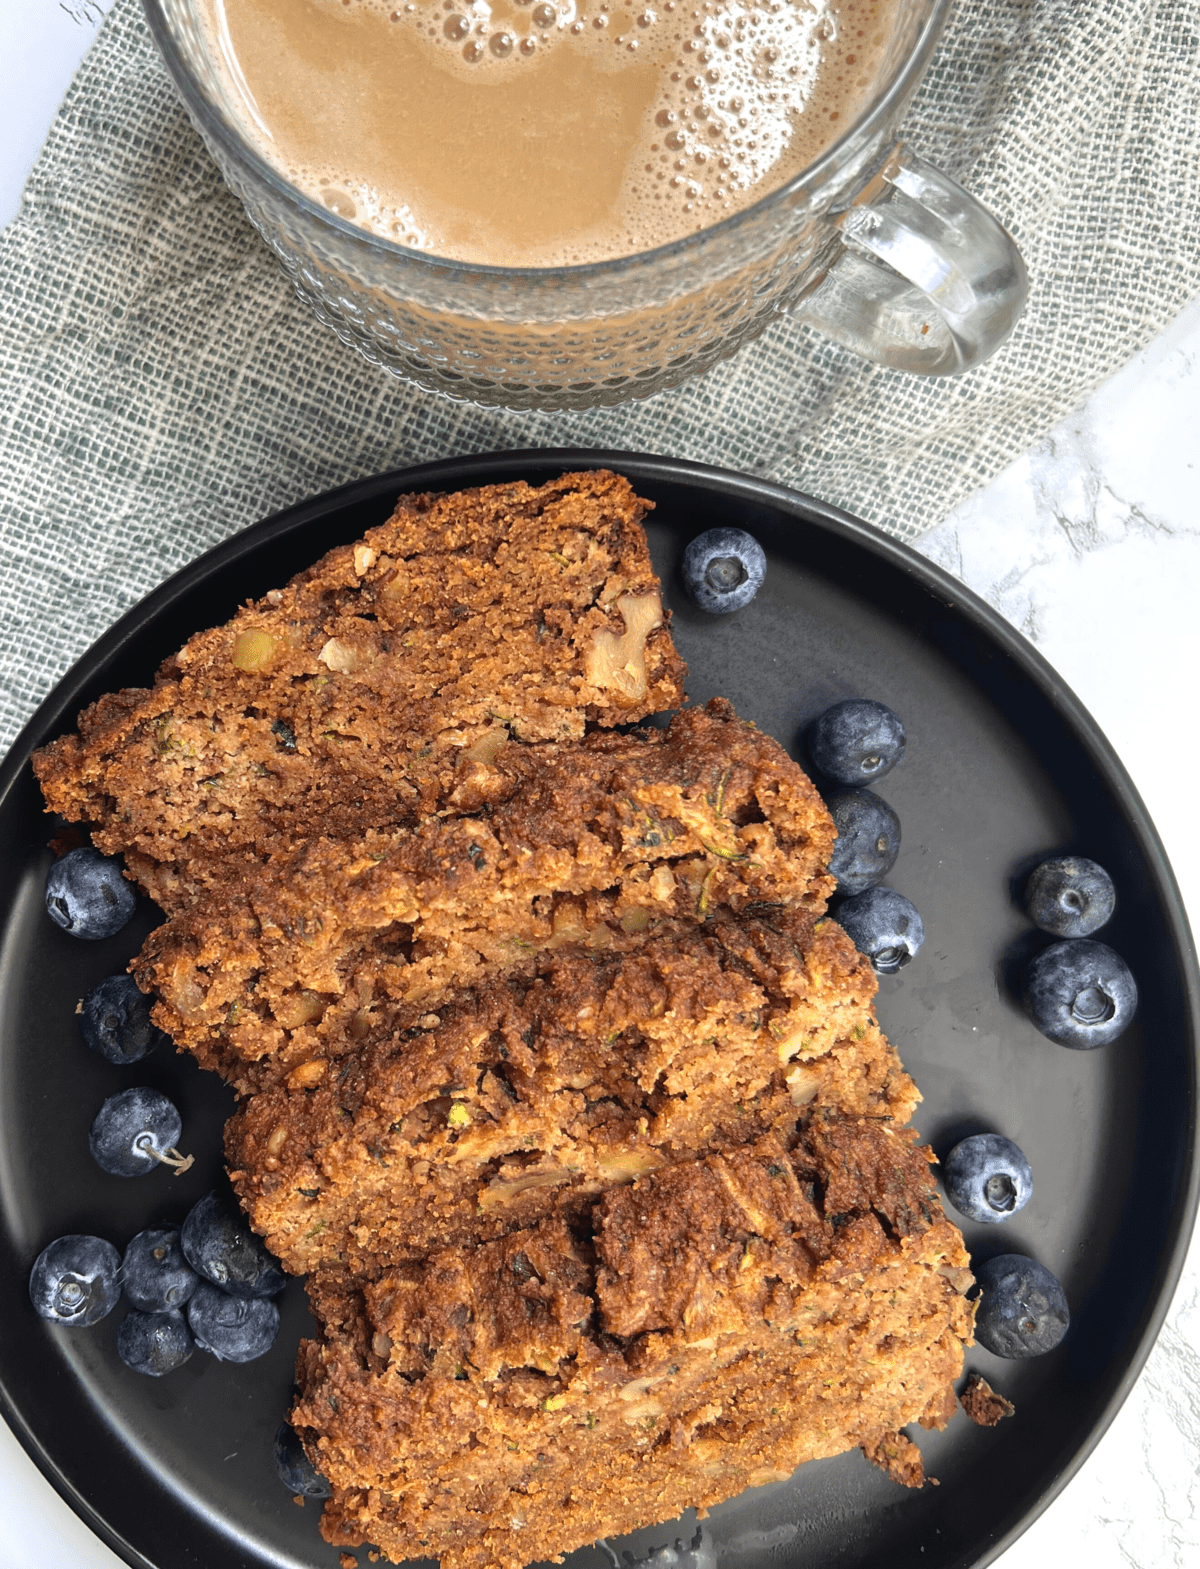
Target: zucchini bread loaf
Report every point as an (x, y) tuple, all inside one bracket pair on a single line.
[(361, 691), (610, 841), (534, 1094), (705, 1330), (553, 1075)]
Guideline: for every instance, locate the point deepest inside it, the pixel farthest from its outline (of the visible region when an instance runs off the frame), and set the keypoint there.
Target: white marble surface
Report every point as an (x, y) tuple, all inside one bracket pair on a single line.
[(1090, 545)]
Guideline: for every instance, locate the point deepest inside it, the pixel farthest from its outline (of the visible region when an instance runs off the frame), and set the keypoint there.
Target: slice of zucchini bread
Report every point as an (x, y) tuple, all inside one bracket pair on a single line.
[(708, 1329), (607, 842), (359, 693), (537, 1092)]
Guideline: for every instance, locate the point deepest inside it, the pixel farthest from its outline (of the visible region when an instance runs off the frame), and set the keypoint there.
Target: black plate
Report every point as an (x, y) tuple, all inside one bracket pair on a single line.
[(1003, 765)]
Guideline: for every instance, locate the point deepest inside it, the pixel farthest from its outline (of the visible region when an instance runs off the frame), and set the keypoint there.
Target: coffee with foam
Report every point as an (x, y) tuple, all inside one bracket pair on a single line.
[(545, 132)]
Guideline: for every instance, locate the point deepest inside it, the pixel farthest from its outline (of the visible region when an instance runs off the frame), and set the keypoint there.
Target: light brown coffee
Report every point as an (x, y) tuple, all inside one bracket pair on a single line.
[(545, 132)]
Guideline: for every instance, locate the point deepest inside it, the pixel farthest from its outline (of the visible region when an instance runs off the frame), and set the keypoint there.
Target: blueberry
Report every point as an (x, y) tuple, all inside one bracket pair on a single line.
[(234, 1329), (723, 569), (154, 1343), (156, 1276), (868, 840), (296, 1470), (220, 1246), (1070, 896), (1022, 1310), (115, 1021), (856, 741), (76, 1280), (136, 1131), (987, 1178), (1080, 993), (885, 926), (86, 894)]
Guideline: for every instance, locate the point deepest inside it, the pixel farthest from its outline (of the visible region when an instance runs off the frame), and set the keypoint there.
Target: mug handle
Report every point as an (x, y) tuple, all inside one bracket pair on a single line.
[(926, 280)]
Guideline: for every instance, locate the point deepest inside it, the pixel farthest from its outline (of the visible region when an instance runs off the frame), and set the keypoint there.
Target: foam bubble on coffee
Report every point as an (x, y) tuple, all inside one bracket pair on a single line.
[(570, 130)]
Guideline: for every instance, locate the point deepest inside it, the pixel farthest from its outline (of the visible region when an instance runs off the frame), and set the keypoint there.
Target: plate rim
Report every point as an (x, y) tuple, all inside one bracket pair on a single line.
[(512, 464)]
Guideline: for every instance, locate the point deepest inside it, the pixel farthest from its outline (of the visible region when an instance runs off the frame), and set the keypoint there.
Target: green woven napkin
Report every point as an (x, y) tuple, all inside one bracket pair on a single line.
[(162, 387)]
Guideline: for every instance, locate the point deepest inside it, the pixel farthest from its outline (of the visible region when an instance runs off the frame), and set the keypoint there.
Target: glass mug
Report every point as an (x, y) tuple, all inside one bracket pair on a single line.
[(871, 244)]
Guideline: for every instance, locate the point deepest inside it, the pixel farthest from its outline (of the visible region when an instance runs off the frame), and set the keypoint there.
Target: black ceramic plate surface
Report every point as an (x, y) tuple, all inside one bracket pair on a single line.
[(1002, 767)]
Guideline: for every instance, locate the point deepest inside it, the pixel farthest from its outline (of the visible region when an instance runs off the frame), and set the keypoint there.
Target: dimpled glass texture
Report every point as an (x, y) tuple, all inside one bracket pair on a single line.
[(570, 337)]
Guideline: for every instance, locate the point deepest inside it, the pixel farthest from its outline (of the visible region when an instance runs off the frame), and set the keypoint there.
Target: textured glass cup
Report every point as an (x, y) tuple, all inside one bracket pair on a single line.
[(874, 246)]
